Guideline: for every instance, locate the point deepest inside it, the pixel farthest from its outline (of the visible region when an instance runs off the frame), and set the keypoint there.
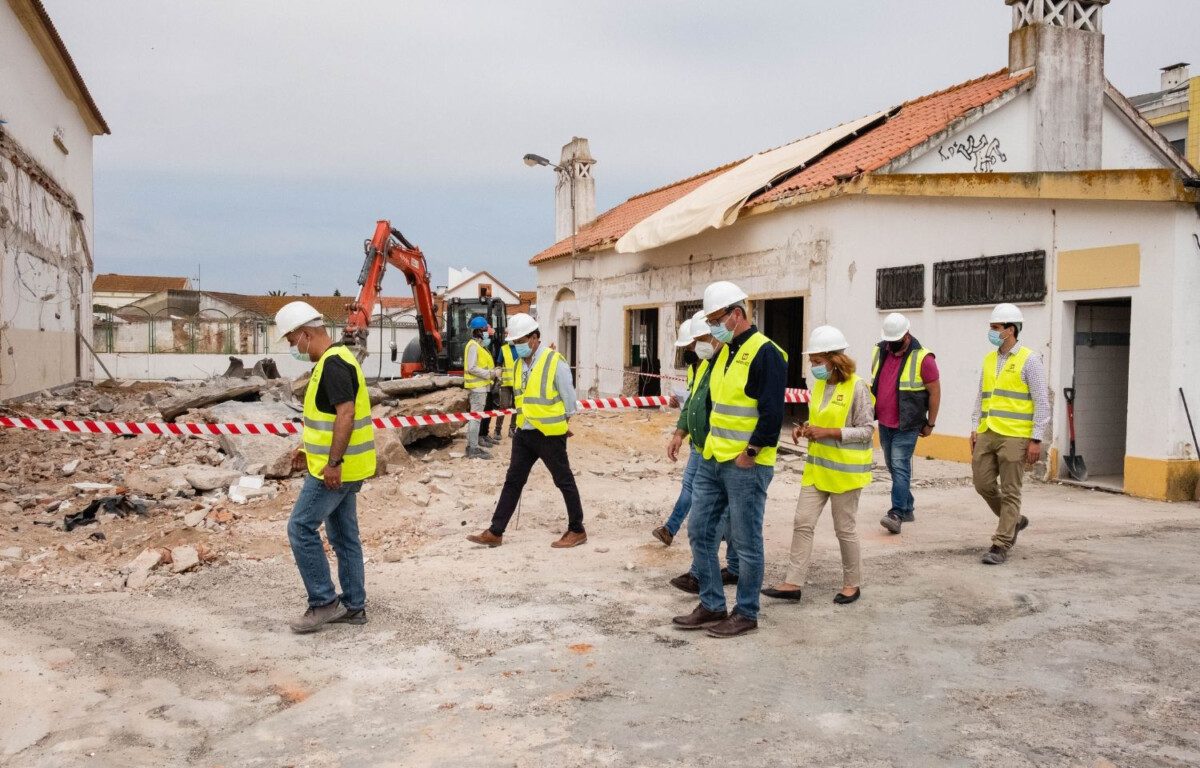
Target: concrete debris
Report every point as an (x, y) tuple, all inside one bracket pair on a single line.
[(184, 558), (69, 468), (211, 395), (195, 517), (10, 508), (104, 405), (11, 553), (210, 478), (272, 453)]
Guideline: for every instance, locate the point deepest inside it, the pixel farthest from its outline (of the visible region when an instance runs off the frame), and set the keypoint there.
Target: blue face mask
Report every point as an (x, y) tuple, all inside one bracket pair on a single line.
[(522, 350), (296, 353), (995, 338), (720, 332), (485, 338), (820, 372)]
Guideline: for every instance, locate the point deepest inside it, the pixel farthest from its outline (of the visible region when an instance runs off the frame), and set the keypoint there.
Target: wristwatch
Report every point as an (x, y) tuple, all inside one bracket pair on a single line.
[(336, 462), (751, 451)]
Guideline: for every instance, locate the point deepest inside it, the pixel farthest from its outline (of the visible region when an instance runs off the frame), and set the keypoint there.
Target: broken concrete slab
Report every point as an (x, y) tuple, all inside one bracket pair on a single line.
[(206, 396), (195, 517), (183, 558), (266, 369), (11, 553), (148, 559), (271, 454), (70, 467), (210, 478)]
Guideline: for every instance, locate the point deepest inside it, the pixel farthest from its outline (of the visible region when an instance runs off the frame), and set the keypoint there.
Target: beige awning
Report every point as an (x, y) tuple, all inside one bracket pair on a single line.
[(717, 202)]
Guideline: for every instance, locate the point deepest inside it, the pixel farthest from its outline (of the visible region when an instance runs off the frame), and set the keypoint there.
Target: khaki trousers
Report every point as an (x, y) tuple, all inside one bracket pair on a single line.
[(998, 465), (808, 510)]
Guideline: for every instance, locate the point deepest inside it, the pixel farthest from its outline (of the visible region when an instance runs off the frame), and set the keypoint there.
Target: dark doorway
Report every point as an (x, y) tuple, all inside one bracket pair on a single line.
[(643, 350), (1101, 380), (567, 336), (783, 323)]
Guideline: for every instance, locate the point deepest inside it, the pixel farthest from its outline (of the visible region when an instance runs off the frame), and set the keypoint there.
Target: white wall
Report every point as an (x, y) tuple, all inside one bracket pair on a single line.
[(44, 277), (142, 366), (830, 251), (1101, 389)]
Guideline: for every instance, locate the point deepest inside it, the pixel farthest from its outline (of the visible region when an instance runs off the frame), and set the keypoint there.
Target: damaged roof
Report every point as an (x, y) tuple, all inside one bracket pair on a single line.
[(913, 124)]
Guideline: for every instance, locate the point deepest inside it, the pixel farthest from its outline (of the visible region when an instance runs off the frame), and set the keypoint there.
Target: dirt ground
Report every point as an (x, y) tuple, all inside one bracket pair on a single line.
[(1081, 651)]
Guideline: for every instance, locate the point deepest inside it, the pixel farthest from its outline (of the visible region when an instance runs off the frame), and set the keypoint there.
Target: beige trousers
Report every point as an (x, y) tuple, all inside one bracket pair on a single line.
[(998, 465), (808, 509)]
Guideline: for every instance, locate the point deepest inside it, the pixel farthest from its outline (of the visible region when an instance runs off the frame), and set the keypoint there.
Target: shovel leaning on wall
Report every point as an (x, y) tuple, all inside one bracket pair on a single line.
[(1075, 466)]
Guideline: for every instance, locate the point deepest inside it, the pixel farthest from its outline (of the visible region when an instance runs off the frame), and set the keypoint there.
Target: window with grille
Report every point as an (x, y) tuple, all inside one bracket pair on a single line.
[(1014, 277), (900, 287), (684, 311)]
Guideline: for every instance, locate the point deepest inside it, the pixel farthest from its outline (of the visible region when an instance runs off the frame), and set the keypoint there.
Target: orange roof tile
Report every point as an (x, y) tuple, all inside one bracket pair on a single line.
[(114, 283), (913, 124)]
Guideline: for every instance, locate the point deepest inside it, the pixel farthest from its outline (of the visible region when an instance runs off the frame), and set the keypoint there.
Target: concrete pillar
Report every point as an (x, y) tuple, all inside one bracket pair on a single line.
[(576, 163), (1064, 45)]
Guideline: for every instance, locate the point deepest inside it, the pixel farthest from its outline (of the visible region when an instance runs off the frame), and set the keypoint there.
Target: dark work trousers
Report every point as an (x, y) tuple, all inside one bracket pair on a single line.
[(485, 425), (528, 446)]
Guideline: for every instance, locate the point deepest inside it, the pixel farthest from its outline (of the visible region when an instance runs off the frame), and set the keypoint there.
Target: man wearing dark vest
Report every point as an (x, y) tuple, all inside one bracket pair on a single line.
[(747, 385), (338, 454), (908, 395)]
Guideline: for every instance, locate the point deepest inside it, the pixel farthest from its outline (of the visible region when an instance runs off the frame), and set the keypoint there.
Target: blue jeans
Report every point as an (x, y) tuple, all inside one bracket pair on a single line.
[(719, 489), (898, 446), (336, 509), (684, 503)]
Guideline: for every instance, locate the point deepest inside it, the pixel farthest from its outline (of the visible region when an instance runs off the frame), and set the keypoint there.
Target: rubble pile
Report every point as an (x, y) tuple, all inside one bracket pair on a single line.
[(105, 512)]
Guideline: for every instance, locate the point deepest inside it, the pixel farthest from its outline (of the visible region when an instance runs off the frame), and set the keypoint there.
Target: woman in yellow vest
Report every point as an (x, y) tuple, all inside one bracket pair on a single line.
[(839, 433), (339, 453)]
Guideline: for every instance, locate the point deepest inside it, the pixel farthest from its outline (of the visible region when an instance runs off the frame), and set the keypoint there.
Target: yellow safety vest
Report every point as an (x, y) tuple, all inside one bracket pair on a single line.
[(483, 359), (695, 374), (538, 400), (734, 414), (1007, 405), (836, 466), (910, 378), (509, 362), (359, 458)]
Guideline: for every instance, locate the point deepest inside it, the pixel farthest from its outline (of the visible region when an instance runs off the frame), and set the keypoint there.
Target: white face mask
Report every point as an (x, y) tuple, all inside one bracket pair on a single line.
[(705, 350)]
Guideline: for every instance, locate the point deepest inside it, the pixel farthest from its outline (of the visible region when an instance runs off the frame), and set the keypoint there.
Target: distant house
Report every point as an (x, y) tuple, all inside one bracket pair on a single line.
[(47, 122), (112, 290), (1174, 110)]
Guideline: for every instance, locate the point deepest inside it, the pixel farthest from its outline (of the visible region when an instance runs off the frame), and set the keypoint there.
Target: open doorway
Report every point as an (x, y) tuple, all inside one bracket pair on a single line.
[(641, 350), (1101, 381), (782, 320), (567, 338)]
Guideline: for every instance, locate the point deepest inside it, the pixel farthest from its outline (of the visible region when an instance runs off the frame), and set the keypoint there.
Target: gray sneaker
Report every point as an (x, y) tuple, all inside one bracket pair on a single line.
[(995, 556), (478, 453), (891, 523), (314, 618)]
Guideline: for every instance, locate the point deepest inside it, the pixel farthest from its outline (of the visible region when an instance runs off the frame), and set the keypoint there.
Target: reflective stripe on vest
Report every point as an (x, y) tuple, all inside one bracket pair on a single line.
[(483, 359), (359, 458), (509, 361), (735, 414), (910, 377), (835, 466), (538, 398), (1006, 404)]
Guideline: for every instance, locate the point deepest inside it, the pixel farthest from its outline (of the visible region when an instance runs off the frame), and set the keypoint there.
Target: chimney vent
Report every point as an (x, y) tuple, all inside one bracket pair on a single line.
[(1068, 14), (576, 165), (1176, 74)]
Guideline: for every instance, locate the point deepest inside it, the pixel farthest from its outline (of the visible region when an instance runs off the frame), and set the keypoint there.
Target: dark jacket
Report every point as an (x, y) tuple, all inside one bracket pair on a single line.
[(914, 406)]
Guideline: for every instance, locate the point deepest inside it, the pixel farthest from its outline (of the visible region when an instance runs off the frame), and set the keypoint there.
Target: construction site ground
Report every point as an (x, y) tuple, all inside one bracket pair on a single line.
[(1080, 651)]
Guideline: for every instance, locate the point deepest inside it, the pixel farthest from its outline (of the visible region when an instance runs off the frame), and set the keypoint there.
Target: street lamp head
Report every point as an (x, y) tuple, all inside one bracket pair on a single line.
[(532, 160)]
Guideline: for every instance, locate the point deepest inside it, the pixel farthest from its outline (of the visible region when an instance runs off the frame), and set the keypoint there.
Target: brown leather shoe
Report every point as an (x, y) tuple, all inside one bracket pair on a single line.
[(699, 618), (570, 539), (735, 625), (662, 534), (487, 538)]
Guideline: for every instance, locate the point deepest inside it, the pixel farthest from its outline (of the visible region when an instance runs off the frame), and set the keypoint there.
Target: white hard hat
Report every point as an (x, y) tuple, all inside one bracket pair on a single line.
[(293, 315), (721, 294), (521, 325), (895, 326), (1007, 313), (699, 325), (825, 339), (685, 333)]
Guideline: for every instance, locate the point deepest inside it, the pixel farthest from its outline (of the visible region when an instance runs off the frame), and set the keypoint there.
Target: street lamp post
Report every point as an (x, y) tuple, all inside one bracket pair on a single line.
[(535, 160)]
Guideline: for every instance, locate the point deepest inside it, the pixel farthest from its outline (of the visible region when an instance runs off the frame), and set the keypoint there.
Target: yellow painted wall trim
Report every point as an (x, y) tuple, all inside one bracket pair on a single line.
[(1114, 266), (944, 447), (1161, 479), (1174, 117), (1193, 137)]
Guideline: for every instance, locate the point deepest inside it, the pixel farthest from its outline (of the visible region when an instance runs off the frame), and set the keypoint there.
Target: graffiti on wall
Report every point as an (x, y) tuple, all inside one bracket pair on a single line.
[(984, 152)]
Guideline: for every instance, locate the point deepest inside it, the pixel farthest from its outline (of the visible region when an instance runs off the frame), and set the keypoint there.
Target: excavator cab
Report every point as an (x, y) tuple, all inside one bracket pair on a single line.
[(457, 333)]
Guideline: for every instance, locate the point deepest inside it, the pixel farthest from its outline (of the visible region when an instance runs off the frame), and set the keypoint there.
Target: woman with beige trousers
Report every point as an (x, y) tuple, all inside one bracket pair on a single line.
[(840, 457)]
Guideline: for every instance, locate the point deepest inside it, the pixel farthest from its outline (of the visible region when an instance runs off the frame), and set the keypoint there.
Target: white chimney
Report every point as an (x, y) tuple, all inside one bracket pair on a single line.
[(1063, 42), (576, 165), (1176, 74)]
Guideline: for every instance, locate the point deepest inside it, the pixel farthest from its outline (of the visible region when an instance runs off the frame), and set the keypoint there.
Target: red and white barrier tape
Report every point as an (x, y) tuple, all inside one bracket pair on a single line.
[(92, 427)]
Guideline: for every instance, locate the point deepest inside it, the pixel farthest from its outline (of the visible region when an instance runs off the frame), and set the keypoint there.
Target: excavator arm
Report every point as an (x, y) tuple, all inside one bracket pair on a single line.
[(388, 246)]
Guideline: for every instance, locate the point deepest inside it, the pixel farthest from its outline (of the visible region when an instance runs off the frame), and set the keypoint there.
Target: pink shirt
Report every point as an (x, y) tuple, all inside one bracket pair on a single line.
[(887, 404)]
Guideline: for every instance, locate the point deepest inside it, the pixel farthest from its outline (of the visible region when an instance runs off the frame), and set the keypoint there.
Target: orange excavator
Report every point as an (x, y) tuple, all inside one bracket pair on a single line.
[(439, 346)]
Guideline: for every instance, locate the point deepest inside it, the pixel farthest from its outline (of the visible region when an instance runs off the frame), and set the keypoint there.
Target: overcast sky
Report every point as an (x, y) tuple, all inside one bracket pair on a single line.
[(255, 141)]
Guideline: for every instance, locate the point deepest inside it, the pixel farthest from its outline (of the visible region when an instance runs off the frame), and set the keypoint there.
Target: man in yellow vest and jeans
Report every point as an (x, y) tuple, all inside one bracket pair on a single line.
[(338, 454), (1009, 422), (746, 390), (545, 396)]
